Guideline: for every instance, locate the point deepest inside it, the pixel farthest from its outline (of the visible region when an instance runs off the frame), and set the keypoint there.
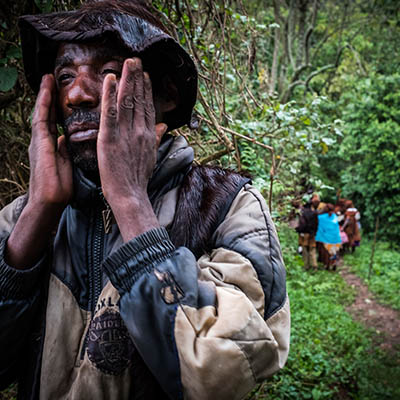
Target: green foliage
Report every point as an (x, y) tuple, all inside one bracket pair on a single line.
[(331, 355), (371, 149), (8, 71), (44, 6), (8, 78), (9, 393), (385, 274), (233, 51)]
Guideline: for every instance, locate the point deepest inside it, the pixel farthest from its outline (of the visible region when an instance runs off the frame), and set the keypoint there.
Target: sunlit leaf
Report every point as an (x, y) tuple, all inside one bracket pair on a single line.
[(273, 26)]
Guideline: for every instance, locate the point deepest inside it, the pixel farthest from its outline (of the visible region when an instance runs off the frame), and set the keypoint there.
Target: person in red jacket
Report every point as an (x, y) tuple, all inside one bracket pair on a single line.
[(351, 225)]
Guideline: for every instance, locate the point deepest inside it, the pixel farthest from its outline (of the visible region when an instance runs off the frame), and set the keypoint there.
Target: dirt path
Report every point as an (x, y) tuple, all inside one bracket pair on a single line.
[(383, 319)]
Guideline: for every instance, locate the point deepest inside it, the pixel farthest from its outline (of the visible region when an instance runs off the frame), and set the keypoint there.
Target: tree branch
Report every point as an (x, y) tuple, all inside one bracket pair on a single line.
[(215, 156), (291, 22), (319, 71), (248, 139), (298, 72), (287, 93)]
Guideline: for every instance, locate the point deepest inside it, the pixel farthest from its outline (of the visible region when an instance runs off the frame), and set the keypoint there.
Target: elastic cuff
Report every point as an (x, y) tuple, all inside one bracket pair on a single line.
[(127, 264), (16, 283)]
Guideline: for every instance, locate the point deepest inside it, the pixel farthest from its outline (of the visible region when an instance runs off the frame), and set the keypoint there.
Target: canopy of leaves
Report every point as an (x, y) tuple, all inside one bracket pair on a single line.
[(371, 148)]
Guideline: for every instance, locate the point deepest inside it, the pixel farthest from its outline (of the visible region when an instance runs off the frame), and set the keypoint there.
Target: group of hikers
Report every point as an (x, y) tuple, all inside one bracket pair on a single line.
[(326, 230)]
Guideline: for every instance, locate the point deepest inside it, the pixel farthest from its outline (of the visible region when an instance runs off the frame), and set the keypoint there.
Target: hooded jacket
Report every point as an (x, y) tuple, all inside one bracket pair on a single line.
[(196, 309)]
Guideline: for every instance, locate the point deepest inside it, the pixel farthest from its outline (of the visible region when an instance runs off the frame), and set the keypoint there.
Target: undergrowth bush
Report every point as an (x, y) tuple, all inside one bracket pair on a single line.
[(331, 356), (385, 274)]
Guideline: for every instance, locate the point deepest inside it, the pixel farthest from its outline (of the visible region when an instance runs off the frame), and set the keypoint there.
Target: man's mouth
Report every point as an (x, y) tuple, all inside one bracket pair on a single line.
[(81, 132)]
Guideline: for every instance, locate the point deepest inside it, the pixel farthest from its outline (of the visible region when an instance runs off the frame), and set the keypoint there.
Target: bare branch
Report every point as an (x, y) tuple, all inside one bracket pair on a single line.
[(302, 14), (248, 139), (214, 122), (314, 14), (284, 98), (299, 70), (291, 23), (275, 59), (318, 72), (214, 156)]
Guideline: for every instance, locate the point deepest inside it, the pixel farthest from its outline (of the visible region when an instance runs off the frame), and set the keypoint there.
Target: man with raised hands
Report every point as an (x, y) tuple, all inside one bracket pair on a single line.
[(127, 272)]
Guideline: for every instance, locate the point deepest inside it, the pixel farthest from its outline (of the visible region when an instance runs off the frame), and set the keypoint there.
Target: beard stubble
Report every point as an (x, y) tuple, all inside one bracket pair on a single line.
[(83, 154)]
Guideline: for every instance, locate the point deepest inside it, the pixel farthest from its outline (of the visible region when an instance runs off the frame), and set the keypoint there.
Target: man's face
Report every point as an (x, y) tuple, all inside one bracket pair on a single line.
[(79, 71)]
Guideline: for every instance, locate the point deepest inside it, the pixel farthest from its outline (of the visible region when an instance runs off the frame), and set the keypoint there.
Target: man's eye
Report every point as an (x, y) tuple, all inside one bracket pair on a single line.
[(63, 77)]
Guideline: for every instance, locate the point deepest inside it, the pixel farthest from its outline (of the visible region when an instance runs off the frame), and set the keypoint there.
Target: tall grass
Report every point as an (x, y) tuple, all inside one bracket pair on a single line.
[(385, 273)]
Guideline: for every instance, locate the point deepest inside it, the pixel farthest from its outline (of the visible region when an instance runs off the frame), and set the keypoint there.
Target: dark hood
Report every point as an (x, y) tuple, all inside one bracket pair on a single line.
[(160, 53)]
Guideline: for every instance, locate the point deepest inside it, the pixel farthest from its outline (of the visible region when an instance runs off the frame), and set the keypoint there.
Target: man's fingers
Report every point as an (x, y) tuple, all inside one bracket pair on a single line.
[(43, 99), (126, 93), (62, 147), (150, 113), (52, 112), (109, 112), (135, 97), (138, 96), (161, 128), (43, 121)]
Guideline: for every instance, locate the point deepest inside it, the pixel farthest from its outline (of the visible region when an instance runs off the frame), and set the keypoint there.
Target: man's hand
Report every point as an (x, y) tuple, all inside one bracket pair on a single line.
[(50, 183), (127, 148)]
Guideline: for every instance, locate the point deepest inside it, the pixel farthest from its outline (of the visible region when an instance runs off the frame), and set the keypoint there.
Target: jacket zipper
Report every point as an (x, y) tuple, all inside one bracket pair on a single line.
[(108, 216), (95, 257), (102, 220)]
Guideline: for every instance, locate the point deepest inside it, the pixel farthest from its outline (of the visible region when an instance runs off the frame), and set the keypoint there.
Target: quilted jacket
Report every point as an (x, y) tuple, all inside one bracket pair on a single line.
[(196, 309)]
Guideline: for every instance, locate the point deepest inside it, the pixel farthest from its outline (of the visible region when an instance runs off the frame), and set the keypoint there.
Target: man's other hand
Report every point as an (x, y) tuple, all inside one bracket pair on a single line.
[(127, 147), (50, 183)]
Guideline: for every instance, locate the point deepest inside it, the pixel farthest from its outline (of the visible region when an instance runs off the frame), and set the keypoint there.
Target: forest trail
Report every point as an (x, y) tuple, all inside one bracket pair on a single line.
[(365, 309)]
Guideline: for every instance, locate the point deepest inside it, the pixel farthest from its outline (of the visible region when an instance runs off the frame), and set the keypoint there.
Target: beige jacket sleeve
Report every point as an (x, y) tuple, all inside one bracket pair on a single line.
[(226, 348)]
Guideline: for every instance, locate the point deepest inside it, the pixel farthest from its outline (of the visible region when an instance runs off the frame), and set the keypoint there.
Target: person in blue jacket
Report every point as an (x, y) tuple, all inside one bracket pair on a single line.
[(328, 237)]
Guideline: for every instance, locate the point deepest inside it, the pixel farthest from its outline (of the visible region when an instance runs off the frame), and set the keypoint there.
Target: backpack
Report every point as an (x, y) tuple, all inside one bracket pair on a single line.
[(308, 221)]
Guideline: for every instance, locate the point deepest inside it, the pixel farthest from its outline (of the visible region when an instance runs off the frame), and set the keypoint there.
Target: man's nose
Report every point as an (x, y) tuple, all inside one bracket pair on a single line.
[(85, 92)]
